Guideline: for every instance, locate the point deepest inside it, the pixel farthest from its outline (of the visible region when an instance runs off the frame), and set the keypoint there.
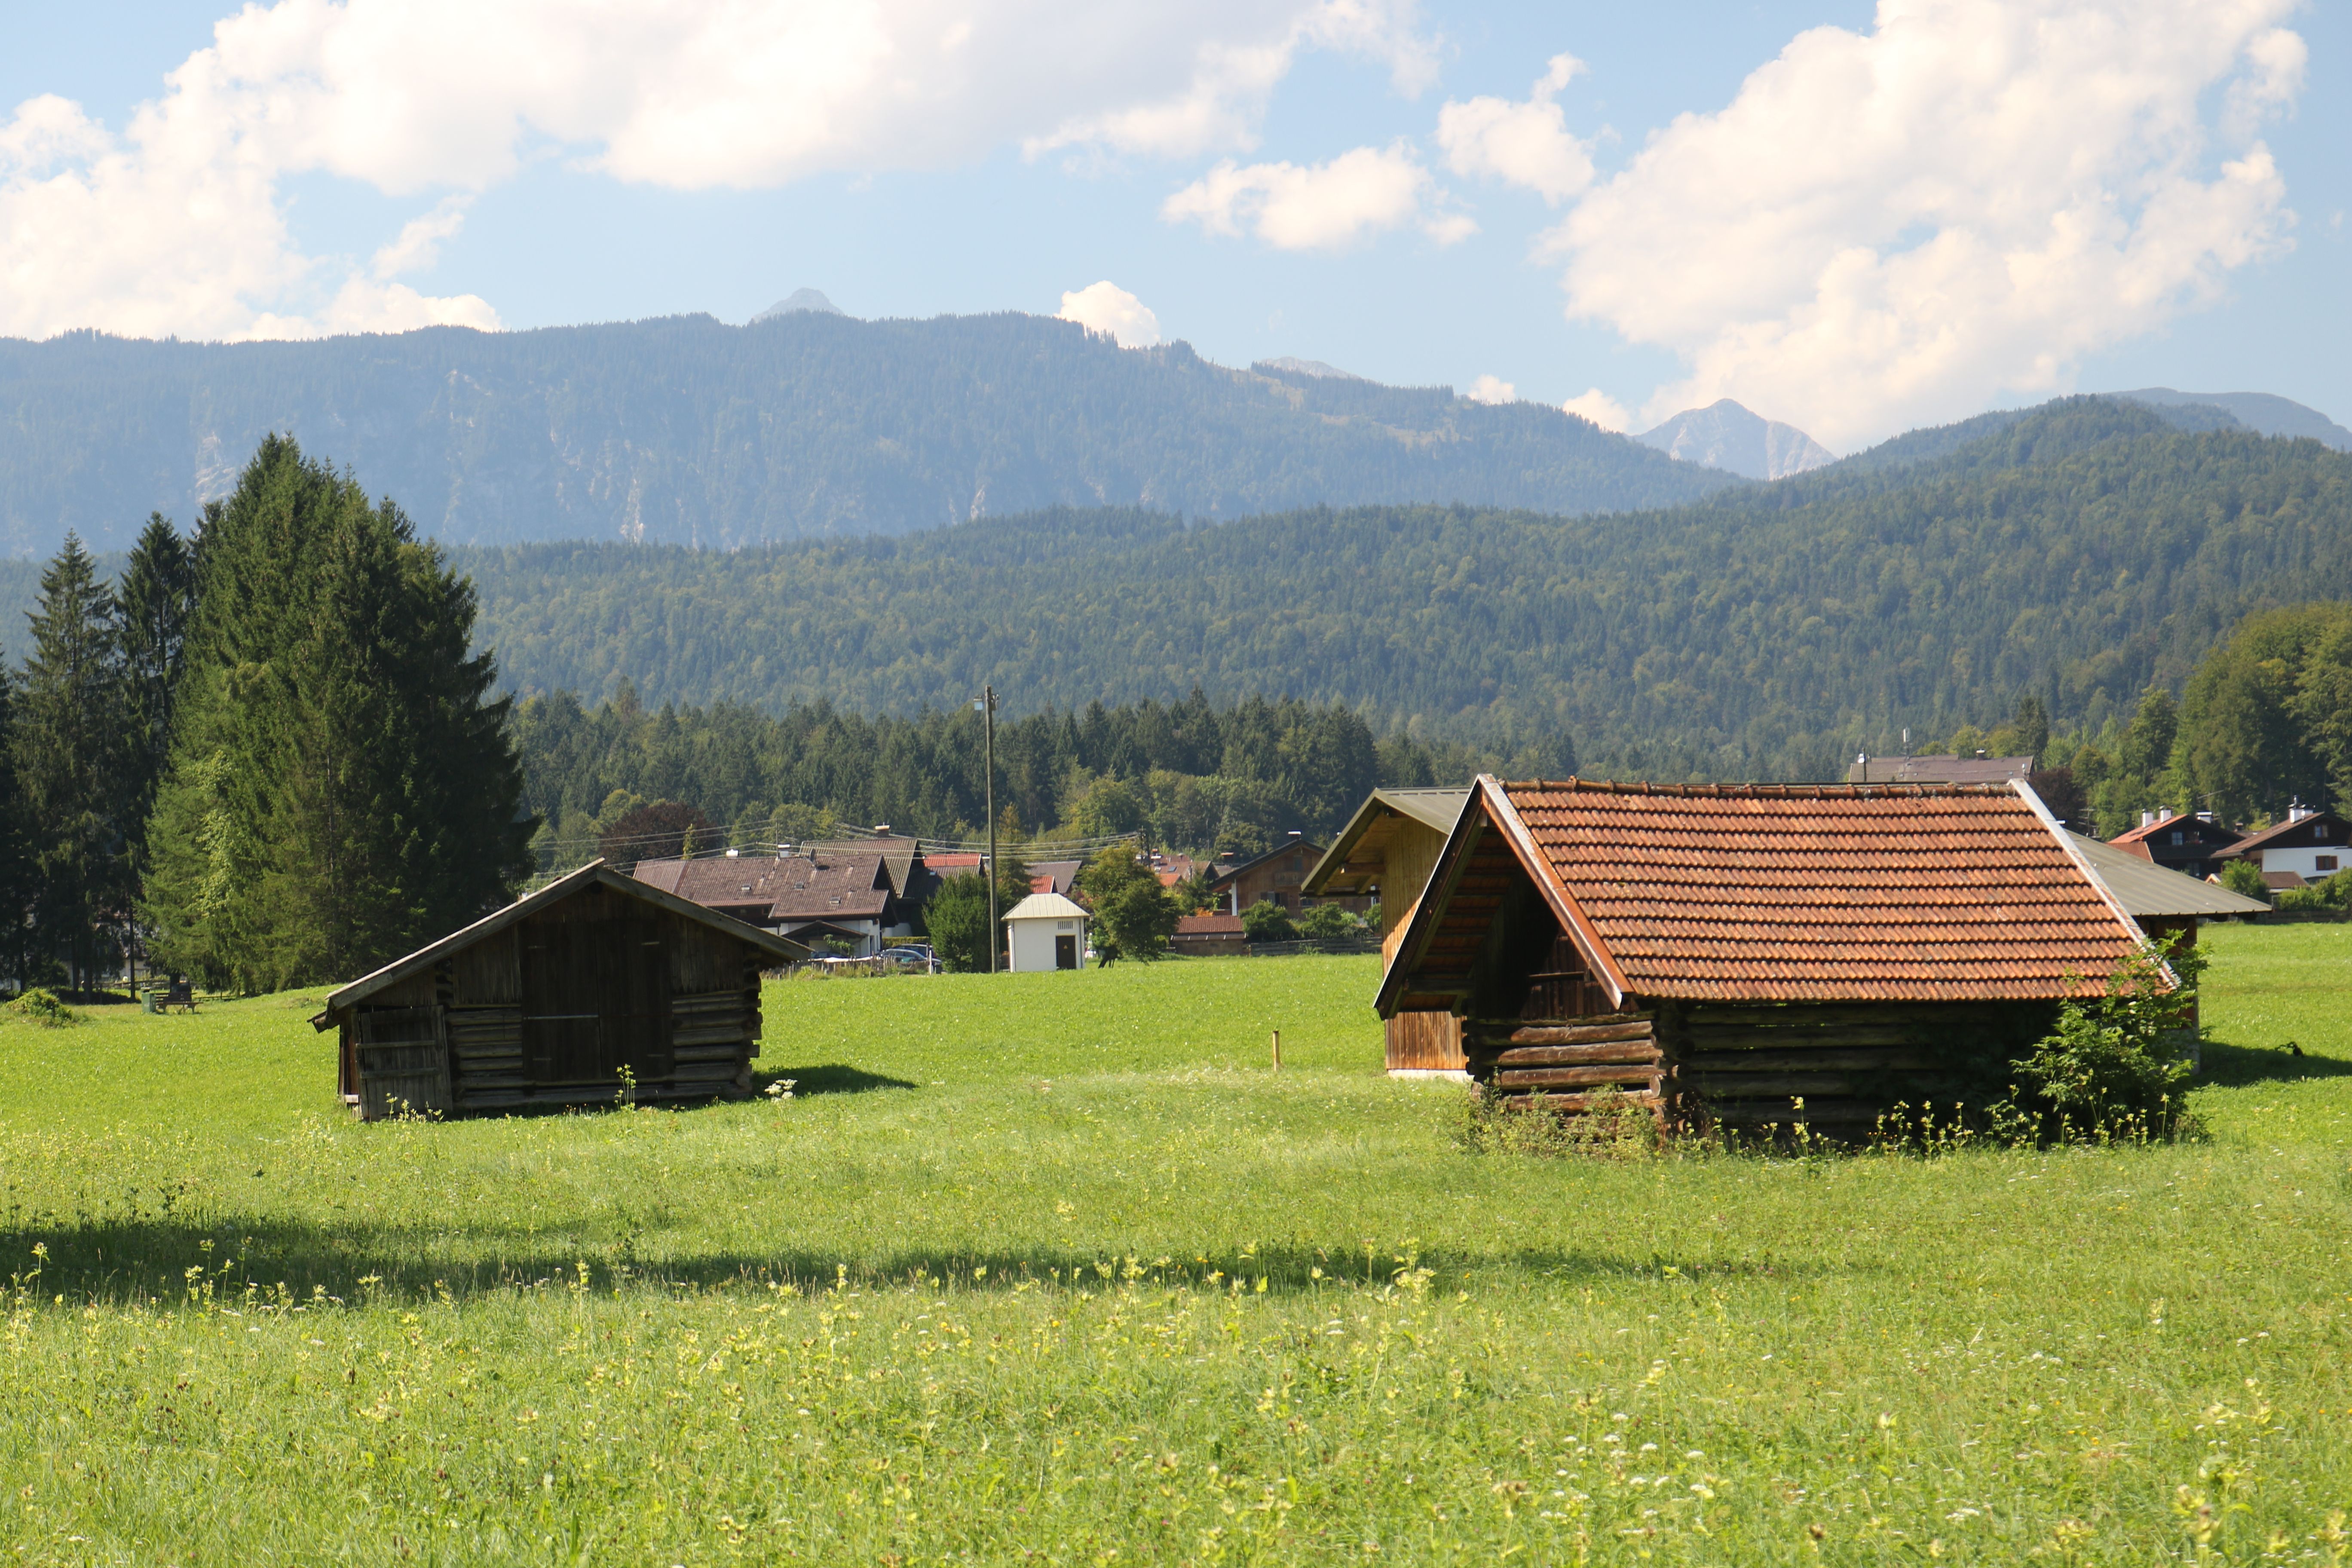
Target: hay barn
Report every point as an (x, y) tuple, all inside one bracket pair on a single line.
[(549, 1000), (1387, 851), (1720, 952)]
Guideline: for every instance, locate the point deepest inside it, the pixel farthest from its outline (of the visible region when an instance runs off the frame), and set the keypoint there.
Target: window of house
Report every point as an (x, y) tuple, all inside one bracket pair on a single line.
[(2319, 830), (2325, 862), (2180, 837)]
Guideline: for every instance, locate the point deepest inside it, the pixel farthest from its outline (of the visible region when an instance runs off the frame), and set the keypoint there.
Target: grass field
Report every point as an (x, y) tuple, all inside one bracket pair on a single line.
[(1054, 1269)]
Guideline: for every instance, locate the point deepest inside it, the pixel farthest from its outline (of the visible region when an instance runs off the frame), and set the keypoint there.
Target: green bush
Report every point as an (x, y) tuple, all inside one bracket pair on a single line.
[(1327, 923), (2332, 893), (1267, 921), (2112, 1068), (40, 1006), (2244, 878)]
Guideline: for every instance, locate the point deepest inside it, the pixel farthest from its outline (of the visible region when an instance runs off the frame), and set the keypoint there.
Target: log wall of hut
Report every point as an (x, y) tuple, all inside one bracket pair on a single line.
[(1839, 1068), (552, 1009)]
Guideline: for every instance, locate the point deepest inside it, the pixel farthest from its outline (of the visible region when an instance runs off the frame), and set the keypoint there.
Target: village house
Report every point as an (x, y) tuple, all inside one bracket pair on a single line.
[(1278, 877), (595, 984), (2166, 905), (842, 895), (1754, 955), (2308, 847), (1387, 852), (2189, 845)]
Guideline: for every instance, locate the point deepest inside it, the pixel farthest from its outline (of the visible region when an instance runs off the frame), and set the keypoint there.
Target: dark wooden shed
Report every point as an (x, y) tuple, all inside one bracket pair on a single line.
[(1722, 952), (547, 1000)]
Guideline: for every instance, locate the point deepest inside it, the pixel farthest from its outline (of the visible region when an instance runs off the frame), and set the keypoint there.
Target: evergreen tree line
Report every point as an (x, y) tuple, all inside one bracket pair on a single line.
[(265, 756), (1189, 775), (2083, 552), (2262, 724)]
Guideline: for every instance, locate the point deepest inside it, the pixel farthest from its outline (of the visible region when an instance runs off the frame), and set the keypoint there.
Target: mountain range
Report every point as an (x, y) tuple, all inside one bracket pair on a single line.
[(803, 423)]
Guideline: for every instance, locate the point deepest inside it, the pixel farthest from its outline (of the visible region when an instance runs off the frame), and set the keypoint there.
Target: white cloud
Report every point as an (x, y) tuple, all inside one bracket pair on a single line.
[(1106, 308), (176, 222), (1519, 143), (1492, 389), (1320, 207), (1600, 408), (1890, 228)]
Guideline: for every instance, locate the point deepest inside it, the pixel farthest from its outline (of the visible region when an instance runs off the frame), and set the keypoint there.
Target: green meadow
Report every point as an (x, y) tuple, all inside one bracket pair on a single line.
[(1056, 1268)]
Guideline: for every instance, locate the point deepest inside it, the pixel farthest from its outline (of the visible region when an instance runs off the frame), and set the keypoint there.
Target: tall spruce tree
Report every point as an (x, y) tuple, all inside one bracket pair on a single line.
[(68, 748), (15, 886), (342, 788), (155, 602)]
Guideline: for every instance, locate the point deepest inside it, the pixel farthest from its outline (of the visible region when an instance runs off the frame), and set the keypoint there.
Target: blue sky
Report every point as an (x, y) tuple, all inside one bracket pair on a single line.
[(1675, 267)]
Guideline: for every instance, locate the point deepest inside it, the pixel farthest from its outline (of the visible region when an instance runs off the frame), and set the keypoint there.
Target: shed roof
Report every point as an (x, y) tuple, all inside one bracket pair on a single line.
[(594, 872), (2143, 887), (1218, 878), (1431, 809), (1046, 906), (1798, 894), (1937, 769)]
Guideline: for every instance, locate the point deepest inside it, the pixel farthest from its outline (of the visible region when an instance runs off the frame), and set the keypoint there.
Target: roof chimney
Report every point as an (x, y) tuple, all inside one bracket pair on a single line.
[(2147, 819), (2204, 816)]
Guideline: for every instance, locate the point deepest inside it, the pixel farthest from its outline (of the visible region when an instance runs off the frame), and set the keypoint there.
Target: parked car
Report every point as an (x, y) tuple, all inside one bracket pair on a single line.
[(912, 955)]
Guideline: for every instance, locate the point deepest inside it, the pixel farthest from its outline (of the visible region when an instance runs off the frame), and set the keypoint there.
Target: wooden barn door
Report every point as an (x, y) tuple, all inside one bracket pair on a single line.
[(596, 998)]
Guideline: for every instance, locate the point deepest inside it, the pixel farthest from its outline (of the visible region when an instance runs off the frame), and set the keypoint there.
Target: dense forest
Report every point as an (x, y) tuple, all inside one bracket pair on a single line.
[(692, 432), (2081, 553), (1189, 773)]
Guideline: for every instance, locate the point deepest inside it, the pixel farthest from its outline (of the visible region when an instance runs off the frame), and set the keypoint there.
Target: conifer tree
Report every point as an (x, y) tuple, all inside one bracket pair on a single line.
[(340, 788), (155, 602), (68, 749), (16, 890)]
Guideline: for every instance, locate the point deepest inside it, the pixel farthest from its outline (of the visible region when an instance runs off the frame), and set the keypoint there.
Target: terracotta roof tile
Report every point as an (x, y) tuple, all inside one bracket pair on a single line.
[(1825, 892)]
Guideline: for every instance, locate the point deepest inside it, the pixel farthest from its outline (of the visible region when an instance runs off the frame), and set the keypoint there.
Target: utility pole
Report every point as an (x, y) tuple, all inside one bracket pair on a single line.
[(985, 705)]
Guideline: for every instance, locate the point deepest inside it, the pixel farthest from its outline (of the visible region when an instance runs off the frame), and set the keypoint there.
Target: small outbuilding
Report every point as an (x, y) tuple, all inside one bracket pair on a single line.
[(551, 1000), (1755, 955), (1046, 931), (1387, 851)]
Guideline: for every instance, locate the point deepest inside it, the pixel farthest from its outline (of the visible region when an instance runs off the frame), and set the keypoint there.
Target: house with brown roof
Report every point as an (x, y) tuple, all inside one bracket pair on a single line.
[(2308, 847), (1755, 955), (2191, 846), (824, 894), (1278, 876)]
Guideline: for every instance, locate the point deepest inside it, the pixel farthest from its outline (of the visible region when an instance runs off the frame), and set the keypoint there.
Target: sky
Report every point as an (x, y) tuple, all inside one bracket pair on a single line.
[(1858, 219)]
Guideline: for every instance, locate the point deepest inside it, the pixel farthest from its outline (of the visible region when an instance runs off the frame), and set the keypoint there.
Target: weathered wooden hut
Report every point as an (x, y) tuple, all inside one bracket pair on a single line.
[(1388, 850), (1722, 952), (547, 1000)]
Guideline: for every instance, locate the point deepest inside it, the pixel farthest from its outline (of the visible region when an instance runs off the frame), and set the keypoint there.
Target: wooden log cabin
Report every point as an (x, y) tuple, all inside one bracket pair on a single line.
[(1754, 955), (547, 1000), (1388, 850)]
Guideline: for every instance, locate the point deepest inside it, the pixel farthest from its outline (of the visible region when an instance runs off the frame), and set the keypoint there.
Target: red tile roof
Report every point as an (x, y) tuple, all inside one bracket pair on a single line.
[(1210, 925), (1822, 893)]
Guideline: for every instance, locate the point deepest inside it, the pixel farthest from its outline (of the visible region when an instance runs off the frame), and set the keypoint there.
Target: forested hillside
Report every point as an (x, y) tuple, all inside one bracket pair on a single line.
[(692, 432), (2076, 554), (1188, 773)]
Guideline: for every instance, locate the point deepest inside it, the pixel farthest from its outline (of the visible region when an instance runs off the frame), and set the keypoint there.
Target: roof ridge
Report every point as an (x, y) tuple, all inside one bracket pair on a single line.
[(1758, 790)]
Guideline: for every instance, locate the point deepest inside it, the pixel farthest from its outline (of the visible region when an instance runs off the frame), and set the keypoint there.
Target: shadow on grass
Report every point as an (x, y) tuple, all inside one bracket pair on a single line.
[(2231, 1066), (160, 1260), (834, 1078)]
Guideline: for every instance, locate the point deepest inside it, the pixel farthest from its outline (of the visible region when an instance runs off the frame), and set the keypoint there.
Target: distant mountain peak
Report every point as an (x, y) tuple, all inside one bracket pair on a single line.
[(2263, 411), (1313, 367), (797, 301), (1726, 435)]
